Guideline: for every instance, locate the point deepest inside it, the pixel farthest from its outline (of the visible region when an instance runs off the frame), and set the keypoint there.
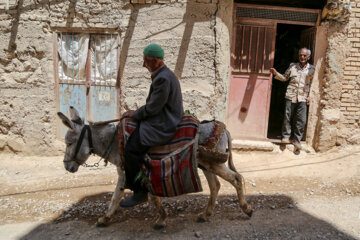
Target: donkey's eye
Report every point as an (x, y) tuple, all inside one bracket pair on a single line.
[(69, 144)]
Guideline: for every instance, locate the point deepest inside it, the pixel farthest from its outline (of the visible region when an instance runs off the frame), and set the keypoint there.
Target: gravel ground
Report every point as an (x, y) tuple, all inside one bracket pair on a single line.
[(306, 196)]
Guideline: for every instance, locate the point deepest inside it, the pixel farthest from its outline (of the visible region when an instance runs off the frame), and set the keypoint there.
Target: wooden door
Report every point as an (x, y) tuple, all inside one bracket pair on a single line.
[(250, 81)]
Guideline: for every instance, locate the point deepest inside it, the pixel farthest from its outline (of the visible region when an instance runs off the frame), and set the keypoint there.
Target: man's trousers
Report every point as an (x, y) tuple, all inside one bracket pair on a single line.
[(294, 120), (134, 158)]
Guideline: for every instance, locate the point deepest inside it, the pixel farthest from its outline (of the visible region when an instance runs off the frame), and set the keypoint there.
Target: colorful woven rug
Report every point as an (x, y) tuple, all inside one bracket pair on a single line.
[(171, 169)]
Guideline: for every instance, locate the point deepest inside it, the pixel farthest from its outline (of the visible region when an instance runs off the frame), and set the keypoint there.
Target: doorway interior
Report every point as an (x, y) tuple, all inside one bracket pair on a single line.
[(288, 42)]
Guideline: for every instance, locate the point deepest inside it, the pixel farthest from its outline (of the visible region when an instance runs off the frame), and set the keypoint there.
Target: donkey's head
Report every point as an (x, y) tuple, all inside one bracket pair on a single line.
[(77, 147)]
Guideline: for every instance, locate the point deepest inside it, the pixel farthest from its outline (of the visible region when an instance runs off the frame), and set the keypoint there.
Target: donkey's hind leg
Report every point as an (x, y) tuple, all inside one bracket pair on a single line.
[(214, 186), (161, 220), (237, 181)]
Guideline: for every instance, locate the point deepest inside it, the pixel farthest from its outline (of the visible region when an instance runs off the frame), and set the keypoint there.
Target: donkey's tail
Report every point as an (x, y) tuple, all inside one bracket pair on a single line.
[(230, 160)]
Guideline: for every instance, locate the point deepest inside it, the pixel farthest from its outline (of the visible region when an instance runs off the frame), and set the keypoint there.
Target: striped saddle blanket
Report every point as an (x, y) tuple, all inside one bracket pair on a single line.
[(170, 169)]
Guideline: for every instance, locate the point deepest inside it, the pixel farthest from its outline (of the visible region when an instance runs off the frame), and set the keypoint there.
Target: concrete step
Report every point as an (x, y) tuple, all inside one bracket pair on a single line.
[(252, 145)]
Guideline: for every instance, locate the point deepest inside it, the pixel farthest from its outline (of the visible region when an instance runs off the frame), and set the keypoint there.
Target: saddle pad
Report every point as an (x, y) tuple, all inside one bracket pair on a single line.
[(208, 151), (171, 169), (217, 132)]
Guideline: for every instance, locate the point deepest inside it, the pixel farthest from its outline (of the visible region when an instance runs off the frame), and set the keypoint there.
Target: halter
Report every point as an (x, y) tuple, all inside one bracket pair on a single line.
[(85, 129), (105, 156)]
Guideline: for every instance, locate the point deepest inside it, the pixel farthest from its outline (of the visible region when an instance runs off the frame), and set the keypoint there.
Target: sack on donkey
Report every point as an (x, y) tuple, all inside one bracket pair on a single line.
[(171, 169)]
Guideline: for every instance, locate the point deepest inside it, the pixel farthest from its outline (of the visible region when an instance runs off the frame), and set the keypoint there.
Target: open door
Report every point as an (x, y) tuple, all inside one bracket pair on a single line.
[(290, 38), (256, 29), (308, 40), (250, 81)]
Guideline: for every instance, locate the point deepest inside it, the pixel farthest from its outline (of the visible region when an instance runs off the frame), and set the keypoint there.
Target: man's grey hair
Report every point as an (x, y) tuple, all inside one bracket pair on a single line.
[(305, 49)]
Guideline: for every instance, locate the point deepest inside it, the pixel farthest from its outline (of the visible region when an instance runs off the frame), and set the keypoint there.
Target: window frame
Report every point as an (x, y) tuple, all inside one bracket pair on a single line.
[(88, 83)]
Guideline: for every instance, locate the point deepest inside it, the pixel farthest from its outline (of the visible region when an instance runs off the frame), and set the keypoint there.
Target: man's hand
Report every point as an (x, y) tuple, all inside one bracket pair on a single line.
[(128, 114), (308, 100), (273, 71)]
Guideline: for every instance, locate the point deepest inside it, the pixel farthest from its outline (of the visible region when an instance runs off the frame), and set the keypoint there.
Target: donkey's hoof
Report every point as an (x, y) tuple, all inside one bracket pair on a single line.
[(158, 226), (250, 213), (160, 223), (103, 222), (247, 210), (201, 218)]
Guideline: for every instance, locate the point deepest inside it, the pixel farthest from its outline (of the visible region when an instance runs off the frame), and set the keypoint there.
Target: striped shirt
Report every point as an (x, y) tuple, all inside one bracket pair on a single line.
[(300, 81)]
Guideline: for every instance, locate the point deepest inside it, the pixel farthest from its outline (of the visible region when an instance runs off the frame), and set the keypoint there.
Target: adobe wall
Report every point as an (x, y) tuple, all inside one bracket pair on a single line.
[(350, 94), (339, 108), (27, 109), (194, 34)]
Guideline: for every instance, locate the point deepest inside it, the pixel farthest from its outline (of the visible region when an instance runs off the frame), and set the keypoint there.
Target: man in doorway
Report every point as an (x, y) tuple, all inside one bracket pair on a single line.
[(297, 97), (156, 120)]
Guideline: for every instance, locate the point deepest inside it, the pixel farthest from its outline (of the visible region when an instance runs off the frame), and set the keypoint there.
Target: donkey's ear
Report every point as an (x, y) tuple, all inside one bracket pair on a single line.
[(75, 116), (66, 121)]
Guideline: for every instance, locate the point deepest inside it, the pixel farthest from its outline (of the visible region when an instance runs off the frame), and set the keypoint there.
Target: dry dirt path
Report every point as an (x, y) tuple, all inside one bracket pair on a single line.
[(306, 196)]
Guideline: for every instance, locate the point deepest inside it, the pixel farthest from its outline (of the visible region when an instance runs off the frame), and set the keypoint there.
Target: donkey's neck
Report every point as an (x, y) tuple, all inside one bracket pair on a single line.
[(103, 137)]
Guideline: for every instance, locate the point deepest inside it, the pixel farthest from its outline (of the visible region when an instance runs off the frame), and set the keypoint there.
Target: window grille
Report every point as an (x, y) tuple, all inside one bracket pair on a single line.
[(253, 49), (103, 59), (87, 57), (277, 14)]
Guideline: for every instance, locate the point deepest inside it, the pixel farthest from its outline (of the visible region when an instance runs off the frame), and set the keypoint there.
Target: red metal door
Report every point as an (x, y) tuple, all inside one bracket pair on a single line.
[(250, 80)]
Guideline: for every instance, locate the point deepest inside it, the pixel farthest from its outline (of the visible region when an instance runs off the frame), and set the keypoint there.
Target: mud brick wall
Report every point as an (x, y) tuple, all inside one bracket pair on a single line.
[(194, 34), (26, 80), (350, 95), (339, 108)]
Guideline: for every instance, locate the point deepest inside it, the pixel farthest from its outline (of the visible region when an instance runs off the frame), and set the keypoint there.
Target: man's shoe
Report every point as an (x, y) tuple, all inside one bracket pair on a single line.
[(296, 144), (136, 199), (282, 146), (285, 140)]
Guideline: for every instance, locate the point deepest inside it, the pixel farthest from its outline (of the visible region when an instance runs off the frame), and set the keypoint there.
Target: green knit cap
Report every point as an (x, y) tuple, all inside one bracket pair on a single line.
[(153, 50)]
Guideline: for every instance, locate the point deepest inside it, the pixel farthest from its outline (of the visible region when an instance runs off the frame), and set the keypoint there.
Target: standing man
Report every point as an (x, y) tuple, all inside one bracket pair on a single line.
[(156, 120), (297, 97)]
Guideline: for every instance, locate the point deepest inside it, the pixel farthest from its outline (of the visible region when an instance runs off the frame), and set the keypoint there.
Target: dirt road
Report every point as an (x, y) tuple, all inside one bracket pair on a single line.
[(306, 196)]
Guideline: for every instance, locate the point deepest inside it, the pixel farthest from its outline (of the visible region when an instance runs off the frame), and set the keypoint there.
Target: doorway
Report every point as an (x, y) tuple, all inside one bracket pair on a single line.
[(289, 39)]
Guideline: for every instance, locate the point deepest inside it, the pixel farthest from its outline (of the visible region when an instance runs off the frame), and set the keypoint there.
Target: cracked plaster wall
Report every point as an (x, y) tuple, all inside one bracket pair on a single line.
[(339, 108), (194, 34)]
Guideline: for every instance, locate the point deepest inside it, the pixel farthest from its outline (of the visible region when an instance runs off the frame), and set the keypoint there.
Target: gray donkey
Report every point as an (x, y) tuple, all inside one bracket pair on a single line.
[(82, 140)]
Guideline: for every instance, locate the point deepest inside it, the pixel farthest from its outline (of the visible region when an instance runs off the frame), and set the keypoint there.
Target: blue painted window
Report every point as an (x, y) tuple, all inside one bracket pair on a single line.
[(87, 75)]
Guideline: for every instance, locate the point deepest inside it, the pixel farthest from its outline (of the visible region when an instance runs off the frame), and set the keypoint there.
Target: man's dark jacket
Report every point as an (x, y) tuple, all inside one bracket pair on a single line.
[(163, 110)]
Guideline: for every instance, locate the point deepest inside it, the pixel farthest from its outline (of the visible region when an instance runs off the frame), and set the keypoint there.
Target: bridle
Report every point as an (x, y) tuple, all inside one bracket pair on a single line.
[(105, 156), (85, 129)]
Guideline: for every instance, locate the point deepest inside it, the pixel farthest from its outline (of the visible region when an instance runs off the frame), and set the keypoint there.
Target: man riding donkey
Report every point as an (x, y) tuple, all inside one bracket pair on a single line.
[(159, 143), (156, 120)]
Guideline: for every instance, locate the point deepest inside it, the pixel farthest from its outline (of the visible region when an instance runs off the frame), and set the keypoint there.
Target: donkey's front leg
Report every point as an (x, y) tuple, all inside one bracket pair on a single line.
[(115, 199), (161, 220)]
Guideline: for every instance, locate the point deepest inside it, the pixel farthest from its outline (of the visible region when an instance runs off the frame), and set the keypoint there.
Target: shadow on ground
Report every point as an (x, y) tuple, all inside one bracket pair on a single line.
[(275, 217)]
